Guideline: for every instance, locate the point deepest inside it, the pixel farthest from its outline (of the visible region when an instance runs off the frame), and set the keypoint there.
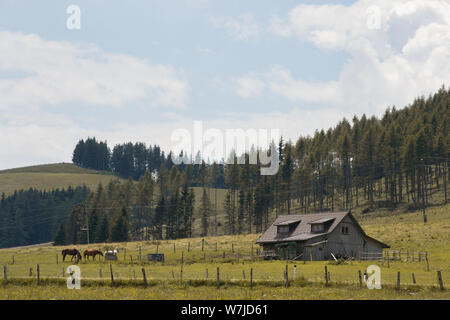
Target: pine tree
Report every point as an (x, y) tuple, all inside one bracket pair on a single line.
[(119, 231), (102, 233), (205, 213), (60, 238)]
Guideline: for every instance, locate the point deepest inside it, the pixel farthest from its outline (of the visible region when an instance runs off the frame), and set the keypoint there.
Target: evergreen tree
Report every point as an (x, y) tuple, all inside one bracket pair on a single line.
[(102, 233), (119, 231), (60, 238), (205, 213)]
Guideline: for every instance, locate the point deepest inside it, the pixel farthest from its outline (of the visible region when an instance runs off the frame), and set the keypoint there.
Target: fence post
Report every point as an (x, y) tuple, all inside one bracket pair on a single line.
[(243, 274), (251, 278), (295, 272), (31, 272), (287, 276), (388, 259), (203, 244), (140, 253), (181, 272), (100, 273), (326, 276), (145, 278), (56, 258), (157, 248), (218, 278), (5, 274), (216, 246), (189, 246), (112, 274), (398, 280), (174, 248), (439, 276), (360, 279), (206, 273), (413, 278), (38, 275)]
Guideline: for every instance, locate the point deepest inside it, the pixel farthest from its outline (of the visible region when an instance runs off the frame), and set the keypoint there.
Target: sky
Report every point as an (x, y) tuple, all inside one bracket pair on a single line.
[(140, 70)]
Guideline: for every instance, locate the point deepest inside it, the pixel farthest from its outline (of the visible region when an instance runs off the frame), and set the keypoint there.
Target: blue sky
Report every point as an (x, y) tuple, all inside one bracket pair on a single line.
[(137, 70)]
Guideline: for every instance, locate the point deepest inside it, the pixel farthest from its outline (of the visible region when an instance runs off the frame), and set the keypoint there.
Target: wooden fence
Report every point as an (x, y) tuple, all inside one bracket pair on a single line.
[(395, 255)]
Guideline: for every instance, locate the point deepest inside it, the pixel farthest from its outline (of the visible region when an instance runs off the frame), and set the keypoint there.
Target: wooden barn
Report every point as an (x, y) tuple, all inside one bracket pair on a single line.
[(318, 236)]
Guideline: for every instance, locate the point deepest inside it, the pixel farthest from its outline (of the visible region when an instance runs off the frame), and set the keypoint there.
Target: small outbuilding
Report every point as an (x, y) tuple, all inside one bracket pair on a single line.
[(318, 236)]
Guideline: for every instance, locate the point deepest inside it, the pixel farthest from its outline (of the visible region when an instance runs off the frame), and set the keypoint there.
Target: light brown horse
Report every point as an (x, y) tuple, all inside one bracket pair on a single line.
[(91, 253)]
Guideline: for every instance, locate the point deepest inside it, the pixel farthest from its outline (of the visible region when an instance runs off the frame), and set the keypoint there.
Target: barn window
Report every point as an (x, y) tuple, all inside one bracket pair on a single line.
[(287, 227), (344, 229), (317, 228), (283, 229)]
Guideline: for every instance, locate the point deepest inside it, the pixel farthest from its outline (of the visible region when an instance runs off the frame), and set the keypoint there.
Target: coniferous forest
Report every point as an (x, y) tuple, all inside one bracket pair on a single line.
[(364, 163), (33, 216)]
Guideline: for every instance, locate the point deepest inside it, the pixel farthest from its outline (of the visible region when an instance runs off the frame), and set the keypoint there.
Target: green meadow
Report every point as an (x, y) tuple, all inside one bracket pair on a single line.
[(190, 272)]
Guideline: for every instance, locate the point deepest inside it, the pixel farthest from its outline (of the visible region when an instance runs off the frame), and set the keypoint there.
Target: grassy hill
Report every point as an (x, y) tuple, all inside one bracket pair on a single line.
[(62, 175), (50, 176)]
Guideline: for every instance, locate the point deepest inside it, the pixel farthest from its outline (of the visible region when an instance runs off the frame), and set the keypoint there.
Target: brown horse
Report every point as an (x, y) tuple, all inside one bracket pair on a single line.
[(91, 253), (71, 252)]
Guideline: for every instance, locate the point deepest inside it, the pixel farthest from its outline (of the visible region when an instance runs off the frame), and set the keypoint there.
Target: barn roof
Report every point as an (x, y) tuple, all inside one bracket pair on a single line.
[(323, 220), (302, 231), (288, 222)]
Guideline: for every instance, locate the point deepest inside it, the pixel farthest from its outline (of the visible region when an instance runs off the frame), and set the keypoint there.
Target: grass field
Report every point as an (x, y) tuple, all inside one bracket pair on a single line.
[(173, 280), (51, 176)]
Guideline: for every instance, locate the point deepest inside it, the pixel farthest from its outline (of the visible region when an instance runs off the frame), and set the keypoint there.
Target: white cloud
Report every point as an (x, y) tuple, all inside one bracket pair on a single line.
[(249, 86), (242, 28), (52, 72), (405, 57)]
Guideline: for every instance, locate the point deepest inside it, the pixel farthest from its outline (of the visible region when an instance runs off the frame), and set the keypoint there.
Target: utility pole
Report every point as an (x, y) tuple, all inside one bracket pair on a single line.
[(87, 222), (423, 192)]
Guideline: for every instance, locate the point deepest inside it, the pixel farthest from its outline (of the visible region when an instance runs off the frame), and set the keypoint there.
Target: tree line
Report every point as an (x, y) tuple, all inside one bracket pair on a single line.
[(122, 211), (366, 163), (33, 216)]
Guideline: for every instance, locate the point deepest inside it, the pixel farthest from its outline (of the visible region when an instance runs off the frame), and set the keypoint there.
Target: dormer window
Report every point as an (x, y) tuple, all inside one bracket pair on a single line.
[(317, 228), (285, 228), (321, 225)]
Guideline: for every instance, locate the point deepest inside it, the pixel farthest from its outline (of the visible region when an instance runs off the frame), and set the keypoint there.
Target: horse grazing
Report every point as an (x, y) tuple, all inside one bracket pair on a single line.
[(91, 253), (71, 252)]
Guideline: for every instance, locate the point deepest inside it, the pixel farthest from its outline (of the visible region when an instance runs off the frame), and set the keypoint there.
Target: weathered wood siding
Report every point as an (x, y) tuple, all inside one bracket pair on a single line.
[(352, 243)]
